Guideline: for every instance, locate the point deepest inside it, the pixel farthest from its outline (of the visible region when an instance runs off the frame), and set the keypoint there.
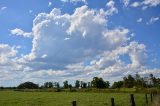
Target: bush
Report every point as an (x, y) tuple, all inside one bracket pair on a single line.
[(28, 85)]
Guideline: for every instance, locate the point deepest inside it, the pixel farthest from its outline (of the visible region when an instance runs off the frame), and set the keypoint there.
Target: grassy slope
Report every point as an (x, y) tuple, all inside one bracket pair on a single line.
[(13, 98)]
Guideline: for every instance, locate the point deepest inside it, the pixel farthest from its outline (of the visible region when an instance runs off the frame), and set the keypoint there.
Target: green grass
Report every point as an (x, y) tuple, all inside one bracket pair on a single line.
[(15, 98)]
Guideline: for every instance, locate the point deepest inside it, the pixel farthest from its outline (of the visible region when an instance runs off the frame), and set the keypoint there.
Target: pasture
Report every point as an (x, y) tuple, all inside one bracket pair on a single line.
[(16, 98)]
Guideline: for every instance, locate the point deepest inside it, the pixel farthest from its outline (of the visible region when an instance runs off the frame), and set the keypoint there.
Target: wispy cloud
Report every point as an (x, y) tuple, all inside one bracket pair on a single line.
[(151, 2), (140, 20), (74, 1), (153, 20), (3, 8), (30, 11), (111, 8), (146, 4)]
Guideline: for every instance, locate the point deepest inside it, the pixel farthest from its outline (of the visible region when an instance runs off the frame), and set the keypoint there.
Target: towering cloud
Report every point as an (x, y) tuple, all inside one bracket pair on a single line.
[(79, 45)]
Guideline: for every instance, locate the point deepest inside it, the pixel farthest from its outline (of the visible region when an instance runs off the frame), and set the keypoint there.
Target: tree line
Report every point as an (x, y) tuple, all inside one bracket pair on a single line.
[(127, 82)]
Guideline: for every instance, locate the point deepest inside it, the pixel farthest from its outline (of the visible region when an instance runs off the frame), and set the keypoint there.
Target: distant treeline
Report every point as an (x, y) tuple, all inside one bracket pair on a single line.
[(130, 81)]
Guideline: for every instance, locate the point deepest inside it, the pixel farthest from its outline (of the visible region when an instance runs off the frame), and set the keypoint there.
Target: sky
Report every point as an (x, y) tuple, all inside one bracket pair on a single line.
[(58, 40)]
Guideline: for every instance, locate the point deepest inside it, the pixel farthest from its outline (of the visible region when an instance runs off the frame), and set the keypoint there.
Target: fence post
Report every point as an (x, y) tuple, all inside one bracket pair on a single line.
[(151, 96), (146, 99), (112, 102), (74, 103), (132, 100)]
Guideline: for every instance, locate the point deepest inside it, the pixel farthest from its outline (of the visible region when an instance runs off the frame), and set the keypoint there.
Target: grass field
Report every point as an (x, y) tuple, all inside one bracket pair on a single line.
[(15, 98)]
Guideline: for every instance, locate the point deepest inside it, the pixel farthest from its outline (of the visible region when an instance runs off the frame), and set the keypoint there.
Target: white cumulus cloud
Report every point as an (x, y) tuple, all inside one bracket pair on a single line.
[(136, 4), (79, 45), (6, 52), (20, 32), (111, 8), (8, 64)]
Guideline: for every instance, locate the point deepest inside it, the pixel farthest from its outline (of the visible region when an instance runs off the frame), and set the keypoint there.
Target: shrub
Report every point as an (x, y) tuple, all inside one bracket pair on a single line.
[(28, 85)]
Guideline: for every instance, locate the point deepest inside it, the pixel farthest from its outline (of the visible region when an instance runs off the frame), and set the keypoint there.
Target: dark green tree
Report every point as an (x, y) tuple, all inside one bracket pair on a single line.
[(57, 85), (89, 84), (81, 84), (158, 83), (1, 87), (70, 86), (99, 83), (107, 84), (118, 84), (129, 81), (65, 84), (77, 84), (153, 80), (84, 85), (28, 85), (48, 85), (139, 81)]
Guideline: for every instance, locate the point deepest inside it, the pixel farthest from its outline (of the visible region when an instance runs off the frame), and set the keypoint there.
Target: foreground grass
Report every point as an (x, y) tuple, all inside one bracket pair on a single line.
[(156, 101), (15, 98)]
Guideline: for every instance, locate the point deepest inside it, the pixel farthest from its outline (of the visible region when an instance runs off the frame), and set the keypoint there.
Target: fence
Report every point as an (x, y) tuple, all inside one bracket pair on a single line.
[(132, 100)]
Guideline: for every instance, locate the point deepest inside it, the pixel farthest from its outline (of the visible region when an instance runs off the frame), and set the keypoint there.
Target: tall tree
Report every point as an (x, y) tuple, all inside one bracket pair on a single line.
[(81, 84), (107, 84), (139, 81), (84, 85), (65, 84), (57, 85), (129, 81), (153, 80), (48, 85), (89, 84), (77, 84), (70, 86)]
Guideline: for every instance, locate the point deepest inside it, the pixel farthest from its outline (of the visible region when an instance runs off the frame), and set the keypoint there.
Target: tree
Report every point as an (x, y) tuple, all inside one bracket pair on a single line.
[(107, 84), (77, 84), (48, 85), (70, 86), (28, 85), (81, 84), (89, 84), (84, 85), (150, 81), (57, 85), (139, 81), (65, 84), (158, 83), (1, 87), (118, 84), (99, 83), (153, 80), (129, 81)]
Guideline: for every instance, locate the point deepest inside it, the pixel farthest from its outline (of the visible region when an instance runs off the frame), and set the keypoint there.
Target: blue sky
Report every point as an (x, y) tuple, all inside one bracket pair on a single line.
[(57, 40)]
